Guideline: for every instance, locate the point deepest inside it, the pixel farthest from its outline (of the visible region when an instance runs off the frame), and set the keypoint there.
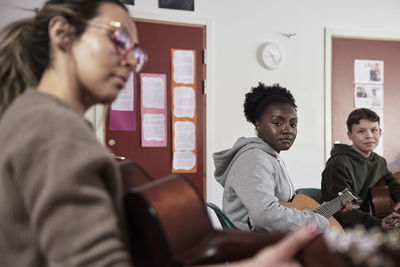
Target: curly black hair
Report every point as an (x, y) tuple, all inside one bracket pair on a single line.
[(262, 96)]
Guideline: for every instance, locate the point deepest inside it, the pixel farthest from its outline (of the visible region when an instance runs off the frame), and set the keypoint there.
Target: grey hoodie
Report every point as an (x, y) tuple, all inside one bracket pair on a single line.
[(255, 179)]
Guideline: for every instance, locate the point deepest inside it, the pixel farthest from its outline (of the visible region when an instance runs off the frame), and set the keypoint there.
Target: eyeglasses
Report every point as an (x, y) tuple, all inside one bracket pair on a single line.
[(123, 43)]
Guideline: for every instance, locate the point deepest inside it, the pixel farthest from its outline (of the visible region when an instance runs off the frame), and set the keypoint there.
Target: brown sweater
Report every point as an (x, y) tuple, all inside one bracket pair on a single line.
[(60, 192)]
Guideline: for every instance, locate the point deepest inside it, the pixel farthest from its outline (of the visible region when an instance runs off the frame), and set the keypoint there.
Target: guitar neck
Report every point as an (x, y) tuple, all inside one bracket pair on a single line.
[(327, 209)]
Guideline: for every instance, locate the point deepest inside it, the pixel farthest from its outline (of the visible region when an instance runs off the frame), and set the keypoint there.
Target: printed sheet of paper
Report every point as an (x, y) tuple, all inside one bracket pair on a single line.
[(184, 138), (184, 160), (368, 71), (368, 96), (184, 101), (183, 66), (154, 109), (122, 111), (154, 91), (125, 98), (154, 127)]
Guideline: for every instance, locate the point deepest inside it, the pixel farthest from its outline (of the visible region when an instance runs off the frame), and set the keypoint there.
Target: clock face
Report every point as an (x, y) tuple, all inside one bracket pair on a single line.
[(271, 55)]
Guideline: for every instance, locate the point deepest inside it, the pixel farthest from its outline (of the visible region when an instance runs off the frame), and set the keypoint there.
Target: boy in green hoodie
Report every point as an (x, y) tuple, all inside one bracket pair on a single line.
[(358, 168)]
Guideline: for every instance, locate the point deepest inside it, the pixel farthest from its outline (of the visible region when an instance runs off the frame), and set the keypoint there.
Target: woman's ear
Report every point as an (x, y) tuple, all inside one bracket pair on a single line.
[(60, 33)]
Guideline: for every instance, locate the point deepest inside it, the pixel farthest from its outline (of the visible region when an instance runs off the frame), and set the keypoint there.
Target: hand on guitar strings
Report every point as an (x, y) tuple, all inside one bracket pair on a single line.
[(282, 254), (347, 206), (391, 221)]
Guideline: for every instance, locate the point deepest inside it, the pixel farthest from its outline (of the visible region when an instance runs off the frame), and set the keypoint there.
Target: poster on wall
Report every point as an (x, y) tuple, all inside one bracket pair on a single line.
[(368, 96), (177, 4), (368, 71)]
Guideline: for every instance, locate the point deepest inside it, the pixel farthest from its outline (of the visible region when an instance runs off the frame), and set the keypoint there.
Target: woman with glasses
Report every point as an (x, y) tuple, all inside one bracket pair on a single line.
[(60, 190)]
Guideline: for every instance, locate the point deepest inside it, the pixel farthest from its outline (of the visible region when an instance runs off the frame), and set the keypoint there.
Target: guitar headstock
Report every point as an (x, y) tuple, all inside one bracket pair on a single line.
[(347, 194), (363, 247), (355, 201)]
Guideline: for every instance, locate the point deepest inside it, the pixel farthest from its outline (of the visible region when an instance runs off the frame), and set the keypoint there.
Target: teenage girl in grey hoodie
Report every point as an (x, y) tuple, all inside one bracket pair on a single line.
[(252, 173)]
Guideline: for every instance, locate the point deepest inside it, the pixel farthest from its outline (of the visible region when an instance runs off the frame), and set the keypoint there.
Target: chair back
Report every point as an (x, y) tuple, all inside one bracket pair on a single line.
[(314, 193), (223, 219)]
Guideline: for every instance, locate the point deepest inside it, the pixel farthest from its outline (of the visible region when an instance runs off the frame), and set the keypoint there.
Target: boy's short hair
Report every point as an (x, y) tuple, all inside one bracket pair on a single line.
[(362, 113)]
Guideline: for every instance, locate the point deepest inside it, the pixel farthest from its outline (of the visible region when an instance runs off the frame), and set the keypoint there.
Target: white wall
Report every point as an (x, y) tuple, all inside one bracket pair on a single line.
[(237, 28)]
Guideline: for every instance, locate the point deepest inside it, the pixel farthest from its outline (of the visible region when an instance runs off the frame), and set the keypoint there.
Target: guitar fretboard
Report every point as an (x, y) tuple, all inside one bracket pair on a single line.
[(327, 209)]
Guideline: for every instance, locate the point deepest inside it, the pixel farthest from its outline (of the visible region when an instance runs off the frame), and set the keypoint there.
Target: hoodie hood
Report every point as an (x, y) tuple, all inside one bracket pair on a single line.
[(224, 159), (342, 149)]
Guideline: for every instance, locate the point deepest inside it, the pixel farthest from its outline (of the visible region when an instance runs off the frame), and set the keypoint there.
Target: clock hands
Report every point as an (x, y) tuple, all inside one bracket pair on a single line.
[(273, 57)]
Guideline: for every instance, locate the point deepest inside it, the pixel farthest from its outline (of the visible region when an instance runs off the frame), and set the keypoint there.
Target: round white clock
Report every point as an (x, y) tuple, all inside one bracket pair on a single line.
[(270, 55)]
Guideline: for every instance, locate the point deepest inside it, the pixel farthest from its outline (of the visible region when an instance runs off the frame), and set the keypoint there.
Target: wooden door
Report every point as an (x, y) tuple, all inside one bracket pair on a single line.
[(157, 39)]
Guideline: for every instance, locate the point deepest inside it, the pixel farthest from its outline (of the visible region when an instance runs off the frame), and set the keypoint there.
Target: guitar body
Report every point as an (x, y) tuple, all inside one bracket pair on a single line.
[(381, 202), (169, 226), (305, 203)]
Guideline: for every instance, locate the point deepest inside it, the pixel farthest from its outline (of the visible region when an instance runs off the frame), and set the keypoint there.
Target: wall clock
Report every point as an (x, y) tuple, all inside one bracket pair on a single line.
[(270, 55)]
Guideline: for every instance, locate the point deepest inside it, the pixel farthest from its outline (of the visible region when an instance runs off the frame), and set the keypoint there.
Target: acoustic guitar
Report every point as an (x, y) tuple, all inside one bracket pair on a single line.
[(169, 226), (381, 203), (326, 209)]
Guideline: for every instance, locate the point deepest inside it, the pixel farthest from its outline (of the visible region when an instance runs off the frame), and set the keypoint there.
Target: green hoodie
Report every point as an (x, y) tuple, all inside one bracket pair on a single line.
[(347, 168)]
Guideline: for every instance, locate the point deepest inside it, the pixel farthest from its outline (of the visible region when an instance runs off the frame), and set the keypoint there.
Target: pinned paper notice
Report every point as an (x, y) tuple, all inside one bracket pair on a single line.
[(184, 160), (125, 98), (153, 127), (184, 138), (184, 102), (122, 110), (183, 65), (154, 92)]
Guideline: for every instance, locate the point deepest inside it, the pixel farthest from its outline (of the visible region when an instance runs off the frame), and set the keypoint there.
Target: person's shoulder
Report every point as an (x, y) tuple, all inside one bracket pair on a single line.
[(339, 160), (379, 158), (46, 117)]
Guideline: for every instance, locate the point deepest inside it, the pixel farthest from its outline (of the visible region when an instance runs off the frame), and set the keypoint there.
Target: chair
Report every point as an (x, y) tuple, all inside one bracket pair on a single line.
[(223, 219), (314, 193)]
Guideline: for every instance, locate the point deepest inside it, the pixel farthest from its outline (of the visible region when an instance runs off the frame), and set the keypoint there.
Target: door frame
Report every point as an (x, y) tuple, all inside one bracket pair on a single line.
[(98, 112), (331, 33)]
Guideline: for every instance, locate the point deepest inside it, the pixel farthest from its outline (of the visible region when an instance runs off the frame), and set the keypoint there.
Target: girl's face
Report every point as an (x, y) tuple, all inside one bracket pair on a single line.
[(102, 65), (278, 126)]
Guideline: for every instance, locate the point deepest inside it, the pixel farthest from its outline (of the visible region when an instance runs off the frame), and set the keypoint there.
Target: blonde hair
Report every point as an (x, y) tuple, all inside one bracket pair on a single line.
[(15, 73)]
